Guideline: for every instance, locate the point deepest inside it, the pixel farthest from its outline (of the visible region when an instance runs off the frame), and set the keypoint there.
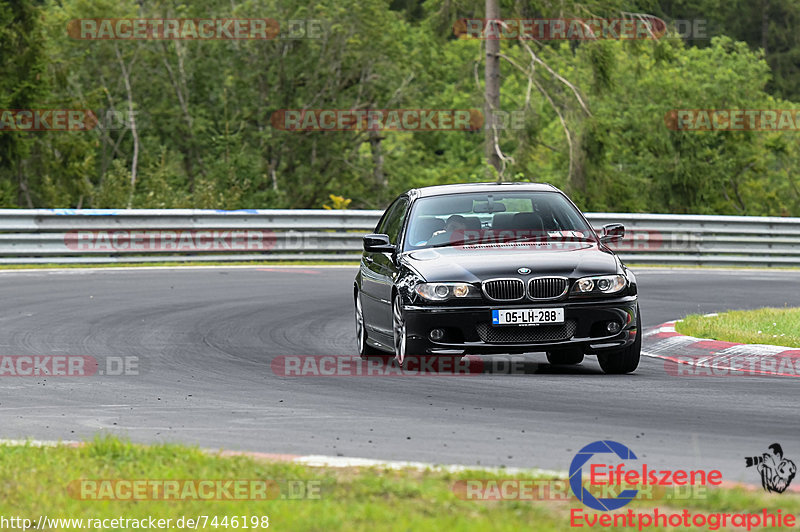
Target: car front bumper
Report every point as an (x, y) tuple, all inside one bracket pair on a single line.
[(468, 329)]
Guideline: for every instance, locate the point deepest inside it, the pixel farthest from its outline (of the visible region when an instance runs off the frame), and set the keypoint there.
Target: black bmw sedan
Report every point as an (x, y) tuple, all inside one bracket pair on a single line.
[(495, 268)]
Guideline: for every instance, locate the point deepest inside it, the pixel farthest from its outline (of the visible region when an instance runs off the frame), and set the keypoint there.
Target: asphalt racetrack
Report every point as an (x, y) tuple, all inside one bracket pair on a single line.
[(205, 338)]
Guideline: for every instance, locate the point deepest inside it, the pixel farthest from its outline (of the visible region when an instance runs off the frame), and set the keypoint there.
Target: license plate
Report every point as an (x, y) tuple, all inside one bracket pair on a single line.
[(527, 316)]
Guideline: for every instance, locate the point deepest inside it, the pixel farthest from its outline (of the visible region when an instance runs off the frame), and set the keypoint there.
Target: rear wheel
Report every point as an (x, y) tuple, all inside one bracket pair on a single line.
[(365, 351), (624, 360), (565, 357)]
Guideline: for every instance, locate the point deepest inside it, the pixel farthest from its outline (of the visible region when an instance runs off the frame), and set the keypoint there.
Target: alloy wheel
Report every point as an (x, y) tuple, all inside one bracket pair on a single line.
[(360, 332), (399, 330)]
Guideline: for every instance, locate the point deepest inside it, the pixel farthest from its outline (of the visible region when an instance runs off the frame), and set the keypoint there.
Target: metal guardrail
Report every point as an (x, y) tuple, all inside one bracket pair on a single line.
[(185, 235)]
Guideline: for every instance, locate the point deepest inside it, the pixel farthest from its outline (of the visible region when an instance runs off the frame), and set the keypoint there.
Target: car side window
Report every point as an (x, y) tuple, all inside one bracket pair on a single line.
[(392, 223), (383, 222)]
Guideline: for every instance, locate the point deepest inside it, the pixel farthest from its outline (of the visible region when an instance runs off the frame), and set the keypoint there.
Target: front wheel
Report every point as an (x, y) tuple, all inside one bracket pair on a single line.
[(624, 360), (402, 357)]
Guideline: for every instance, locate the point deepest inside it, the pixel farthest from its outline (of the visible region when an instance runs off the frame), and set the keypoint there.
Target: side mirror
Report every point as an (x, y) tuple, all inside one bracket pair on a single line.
[(612, 233), (376, 243)]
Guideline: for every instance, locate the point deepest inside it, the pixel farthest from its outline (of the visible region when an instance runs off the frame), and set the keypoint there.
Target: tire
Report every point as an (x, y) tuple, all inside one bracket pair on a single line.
[(624, 360), (402, 357), (565, 357), (365, 351)]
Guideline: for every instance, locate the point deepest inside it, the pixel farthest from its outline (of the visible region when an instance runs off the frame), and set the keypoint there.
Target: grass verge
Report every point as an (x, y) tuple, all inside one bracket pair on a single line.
[(36, 481), (773, 326)]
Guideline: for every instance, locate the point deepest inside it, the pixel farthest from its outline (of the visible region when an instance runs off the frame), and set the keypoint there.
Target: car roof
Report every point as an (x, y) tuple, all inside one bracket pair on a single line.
[(439, 190)]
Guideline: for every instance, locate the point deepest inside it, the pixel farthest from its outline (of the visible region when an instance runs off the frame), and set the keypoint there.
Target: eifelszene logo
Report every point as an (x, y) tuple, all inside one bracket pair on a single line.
[(612, 479), (776, 471)]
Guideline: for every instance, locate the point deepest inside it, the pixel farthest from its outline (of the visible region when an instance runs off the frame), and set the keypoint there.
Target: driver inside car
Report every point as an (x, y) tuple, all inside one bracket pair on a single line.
[(454, 228)]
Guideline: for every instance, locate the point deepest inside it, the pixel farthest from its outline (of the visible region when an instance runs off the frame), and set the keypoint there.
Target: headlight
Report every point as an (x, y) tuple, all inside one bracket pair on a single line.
[(602, 284), (444, 291)]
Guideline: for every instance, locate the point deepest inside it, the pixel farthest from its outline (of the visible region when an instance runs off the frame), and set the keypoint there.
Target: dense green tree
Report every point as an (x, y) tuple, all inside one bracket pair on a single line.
[(769, 25), (22, 85), (188, 123)]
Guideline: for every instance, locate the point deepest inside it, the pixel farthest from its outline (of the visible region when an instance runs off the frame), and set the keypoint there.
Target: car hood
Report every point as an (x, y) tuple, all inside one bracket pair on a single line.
[(477, 263)]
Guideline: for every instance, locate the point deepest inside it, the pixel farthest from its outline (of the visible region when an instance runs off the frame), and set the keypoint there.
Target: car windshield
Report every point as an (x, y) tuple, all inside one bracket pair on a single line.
[(493, 218)]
